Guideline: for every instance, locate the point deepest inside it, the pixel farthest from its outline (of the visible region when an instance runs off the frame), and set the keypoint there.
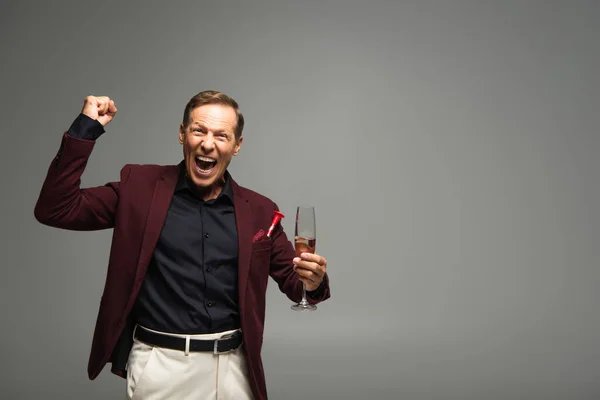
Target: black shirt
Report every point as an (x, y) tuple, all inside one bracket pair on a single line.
[(191, 283)]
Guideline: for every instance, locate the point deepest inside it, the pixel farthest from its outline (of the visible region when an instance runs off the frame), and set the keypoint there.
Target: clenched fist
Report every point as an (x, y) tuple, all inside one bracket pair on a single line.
[(99, 108)]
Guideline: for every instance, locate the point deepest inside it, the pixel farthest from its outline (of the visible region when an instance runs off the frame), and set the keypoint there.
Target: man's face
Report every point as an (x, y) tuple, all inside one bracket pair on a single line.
[(209, 144)]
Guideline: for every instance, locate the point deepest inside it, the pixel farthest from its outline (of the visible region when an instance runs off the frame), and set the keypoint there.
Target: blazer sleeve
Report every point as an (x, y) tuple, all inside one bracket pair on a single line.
[(282, 270), (62, 203)]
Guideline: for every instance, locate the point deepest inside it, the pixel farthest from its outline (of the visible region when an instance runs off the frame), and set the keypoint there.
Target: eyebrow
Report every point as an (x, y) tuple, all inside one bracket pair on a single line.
[(199, 125)]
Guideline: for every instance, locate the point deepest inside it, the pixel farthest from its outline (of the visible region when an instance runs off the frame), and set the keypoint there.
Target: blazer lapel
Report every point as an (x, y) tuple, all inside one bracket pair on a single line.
[(243, 220), (161, 199)]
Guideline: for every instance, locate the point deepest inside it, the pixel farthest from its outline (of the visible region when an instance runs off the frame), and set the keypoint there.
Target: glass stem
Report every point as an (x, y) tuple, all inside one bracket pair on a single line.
[(304, 294)]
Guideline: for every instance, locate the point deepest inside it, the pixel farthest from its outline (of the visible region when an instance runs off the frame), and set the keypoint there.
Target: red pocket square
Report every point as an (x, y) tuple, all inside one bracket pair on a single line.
[(258, 235)]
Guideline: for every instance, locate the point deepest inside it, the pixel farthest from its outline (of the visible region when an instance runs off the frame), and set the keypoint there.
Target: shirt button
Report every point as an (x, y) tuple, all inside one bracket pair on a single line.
[(211, 303), (206, 235), (208, 269)]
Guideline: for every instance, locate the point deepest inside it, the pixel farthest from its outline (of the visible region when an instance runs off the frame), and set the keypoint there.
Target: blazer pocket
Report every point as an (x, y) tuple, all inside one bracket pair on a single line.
[(262, 245), (260, 260)]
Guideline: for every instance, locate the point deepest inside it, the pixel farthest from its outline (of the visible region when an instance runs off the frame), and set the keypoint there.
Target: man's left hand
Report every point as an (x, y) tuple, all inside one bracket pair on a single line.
[(311, 269)]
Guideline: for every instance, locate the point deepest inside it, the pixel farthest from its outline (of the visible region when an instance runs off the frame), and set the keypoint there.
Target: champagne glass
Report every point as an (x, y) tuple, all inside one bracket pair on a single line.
[(305, 239)]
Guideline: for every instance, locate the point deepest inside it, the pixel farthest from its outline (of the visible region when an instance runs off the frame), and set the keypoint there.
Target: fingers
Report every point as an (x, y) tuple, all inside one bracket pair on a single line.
[(112, 109), (311, 269), (307, 274), (100, 108), (312, 262), (101, 104), (315, 258), (310, 266), (310, 280)]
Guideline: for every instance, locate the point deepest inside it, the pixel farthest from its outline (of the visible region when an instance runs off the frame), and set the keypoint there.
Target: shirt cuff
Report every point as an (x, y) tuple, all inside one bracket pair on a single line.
[(85, 127)]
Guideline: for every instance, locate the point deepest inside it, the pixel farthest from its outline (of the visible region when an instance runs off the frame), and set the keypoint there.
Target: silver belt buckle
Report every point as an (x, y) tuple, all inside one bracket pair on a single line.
[(216, 347)]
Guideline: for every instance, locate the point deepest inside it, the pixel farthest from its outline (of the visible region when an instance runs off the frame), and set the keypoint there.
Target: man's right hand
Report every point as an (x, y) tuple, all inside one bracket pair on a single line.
[(101, 108)]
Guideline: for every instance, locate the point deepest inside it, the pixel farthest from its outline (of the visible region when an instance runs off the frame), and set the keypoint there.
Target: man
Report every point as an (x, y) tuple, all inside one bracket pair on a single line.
[(182, 313)]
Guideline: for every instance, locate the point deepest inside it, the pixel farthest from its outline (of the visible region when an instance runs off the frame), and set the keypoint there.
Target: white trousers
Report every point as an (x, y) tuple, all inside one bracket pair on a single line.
[(156, 373)]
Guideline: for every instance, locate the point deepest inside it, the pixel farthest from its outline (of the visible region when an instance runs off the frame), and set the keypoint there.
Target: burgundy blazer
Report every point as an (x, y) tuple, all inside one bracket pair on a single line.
[(136, 207)]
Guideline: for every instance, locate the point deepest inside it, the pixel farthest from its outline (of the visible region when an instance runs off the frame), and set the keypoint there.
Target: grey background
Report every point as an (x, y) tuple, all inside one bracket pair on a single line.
[(449, 148)]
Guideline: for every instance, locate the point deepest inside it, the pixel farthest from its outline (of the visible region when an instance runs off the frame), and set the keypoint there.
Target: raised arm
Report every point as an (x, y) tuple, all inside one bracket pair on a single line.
[(62, 203)]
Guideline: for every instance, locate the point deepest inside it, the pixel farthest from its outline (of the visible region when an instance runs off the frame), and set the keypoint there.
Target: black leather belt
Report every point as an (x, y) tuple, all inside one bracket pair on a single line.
[(224, 344)]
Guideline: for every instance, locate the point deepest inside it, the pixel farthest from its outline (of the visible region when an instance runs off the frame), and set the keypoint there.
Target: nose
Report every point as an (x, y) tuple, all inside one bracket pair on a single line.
[(208, 143)]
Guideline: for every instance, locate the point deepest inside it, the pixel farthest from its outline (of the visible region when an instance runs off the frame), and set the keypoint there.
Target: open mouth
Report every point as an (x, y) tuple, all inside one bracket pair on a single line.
[(205, 165)]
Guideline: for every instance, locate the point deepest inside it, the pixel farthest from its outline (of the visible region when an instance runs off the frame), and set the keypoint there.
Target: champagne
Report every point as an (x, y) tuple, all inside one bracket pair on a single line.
[(305, 239), (305, 245)]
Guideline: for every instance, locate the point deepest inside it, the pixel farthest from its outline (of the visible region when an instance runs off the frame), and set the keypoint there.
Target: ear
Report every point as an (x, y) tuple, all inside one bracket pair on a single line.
[(181, 133), (238, 146)]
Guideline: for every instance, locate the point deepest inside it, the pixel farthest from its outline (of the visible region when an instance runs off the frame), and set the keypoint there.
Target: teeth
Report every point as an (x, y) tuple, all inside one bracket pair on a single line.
[(207, 159)]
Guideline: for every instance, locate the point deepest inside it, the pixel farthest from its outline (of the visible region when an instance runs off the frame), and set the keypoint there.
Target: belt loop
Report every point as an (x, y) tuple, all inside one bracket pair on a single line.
[(187, 345)]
